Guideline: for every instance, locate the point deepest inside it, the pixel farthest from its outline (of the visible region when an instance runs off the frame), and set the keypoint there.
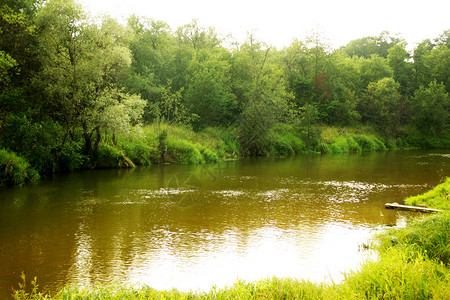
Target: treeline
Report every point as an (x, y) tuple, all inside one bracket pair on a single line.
[(76, 90)]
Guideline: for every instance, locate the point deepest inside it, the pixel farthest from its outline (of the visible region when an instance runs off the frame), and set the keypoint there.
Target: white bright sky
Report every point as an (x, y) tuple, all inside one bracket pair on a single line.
[(278, 22)]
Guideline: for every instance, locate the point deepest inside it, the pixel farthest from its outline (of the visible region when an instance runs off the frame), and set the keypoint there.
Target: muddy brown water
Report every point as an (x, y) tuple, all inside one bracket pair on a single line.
[(194, 227)]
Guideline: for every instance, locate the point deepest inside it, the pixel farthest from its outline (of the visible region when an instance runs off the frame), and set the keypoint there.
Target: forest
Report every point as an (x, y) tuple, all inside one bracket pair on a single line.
[(80, 91)]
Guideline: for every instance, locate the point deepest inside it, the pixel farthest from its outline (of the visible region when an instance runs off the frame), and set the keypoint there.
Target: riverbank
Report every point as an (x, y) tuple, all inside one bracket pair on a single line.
[(163, 143), (413, 263)]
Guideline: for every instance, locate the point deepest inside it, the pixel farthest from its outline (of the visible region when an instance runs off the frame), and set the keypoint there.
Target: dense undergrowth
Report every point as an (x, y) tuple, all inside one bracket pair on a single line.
[(413, 263), (163, 143)]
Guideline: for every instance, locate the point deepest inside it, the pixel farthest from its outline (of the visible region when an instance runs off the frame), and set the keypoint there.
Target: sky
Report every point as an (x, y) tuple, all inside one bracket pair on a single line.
[(278, 22)]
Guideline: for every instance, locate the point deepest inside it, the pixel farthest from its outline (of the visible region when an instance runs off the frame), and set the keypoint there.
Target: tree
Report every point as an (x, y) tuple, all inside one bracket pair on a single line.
[(267, 100), (208, 93), (308, 123), (372, 45), (432, 109), (192, 35), (432, 62), (82, 67), (373, 69), (171, 108), (398, 60), (381, 106)]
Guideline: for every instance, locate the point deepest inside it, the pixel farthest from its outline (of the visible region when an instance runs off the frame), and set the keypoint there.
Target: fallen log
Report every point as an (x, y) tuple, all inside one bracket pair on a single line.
[(407, 207)]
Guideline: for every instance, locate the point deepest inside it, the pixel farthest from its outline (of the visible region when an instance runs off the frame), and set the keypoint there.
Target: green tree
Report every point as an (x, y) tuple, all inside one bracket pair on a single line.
[(197, 37), (82, 71), (308, 121), (171, 108), (372, 45), (432, 109), (267, 99), (373, 69), (208, 93), (398, 59), (381, 106)]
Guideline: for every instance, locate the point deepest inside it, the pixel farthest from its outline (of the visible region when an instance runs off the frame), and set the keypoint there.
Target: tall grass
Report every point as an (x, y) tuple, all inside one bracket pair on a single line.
[(439, 197), (398, 274), (15, 170), (109, 156), (341, 140)]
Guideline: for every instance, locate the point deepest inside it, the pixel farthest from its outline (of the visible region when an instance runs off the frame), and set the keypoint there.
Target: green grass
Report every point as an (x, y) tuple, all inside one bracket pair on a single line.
[(15, 170), (439, 197), (342, 140), (109, 156), (184, 146)]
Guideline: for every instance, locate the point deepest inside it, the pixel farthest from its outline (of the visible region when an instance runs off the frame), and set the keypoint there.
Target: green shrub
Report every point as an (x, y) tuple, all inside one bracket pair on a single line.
[(343, 144), (183, 152), (231, 146), (208, 155), (368, 143), (111, 157), (282, 140), (15, 170), (140, 153), (71, 158)]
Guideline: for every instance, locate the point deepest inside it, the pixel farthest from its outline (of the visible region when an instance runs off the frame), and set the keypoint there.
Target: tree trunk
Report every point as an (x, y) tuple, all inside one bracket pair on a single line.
[(88, 142)]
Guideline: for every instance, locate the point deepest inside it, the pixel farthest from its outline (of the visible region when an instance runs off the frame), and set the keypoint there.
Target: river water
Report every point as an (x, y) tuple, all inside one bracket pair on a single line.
[(193, 227)]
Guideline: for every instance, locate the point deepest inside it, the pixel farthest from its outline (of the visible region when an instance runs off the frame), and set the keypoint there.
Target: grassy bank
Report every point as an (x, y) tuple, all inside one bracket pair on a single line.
[(163, 143), (413, 263), (439, 197), (180, 144)]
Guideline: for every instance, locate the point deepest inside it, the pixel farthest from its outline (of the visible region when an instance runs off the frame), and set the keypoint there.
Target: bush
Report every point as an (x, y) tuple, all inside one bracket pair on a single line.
[(282, 140), (208, 155), (111, 157), (15, 170), (71, 158), (140, 153), (368, 143), (343, 144), (183, 152)]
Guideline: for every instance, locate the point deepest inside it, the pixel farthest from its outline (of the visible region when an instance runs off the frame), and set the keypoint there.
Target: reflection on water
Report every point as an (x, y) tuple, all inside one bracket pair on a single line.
[(192, 227)]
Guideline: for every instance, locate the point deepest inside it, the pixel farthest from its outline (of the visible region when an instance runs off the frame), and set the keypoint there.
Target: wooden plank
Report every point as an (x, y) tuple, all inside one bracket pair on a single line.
[(407, 207)]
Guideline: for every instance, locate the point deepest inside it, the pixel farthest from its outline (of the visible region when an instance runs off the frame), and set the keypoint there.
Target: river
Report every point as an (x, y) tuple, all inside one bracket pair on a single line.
[(193, 227)]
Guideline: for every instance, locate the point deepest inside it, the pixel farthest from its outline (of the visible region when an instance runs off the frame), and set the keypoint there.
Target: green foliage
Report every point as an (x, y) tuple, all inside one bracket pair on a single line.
[(342, 140), (398, 275), (183, 152), (435, 198), (70, 82), (111, 157), (368, 46), (285, 141), (15, 170), (369, 143), (398, 59), (139, 152), (428, 237), (23, 294), (308, 124), (208, 93), (432, 107)]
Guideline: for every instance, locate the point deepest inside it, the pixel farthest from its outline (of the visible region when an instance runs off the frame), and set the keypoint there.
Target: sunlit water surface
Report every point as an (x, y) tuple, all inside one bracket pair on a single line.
[(194, 227)]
